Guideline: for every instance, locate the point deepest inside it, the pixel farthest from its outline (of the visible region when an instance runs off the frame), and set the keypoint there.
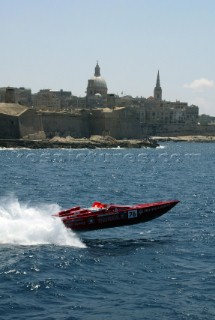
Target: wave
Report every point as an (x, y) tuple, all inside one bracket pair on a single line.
[(17, 148), (23, 224)]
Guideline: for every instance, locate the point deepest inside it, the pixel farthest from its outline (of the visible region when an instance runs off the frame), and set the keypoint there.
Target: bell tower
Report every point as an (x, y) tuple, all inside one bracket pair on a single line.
[(157, 89)]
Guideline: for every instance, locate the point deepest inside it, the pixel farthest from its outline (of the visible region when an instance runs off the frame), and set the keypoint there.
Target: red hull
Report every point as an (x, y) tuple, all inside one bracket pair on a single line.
[(102, 216)]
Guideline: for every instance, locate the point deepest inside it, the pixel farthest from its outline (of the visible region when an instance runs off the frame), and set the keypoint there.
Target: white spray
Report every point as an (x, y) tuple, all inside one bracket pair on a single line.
[(22, 224)]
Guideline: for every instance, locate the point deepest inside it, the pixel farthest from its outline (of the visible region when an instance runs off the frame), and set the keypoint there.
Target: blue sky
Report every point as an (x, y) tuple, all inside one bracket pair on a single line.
[(55, 44)]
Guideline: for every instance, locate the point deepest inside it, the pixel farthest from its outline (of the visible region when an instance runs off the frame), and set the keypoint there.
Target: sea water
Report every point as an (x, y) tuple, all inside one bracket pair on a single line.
[(162, 269)]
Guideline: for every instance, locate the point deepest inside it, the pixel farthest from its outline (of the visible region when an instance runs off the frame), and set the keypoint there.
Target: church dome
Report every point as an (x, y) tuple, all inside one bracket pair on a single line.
[(99, 82), (96, 90)]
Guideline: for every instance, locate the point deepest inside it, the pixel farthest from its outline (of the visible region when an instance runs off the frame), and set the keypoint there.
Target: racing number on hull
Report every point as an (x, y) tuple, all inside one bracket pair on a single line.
[(132, 214)]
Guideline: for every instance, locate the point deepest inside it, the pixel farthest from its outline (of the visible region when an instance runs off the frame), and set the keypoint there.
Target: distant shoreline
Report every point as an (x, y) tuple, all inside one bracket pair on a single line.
[(193, 138)]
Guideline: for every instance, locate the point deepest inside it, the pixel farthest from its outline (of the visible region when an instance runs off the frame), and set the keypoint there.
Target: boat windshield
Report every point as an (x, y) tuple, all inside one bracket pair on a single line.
[(94, 209)]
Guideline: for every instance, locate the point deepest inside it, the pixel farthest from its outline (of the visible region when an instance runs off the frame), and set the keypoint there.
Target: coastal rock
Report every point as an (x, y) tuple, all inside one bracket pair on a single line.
[(70, 142)]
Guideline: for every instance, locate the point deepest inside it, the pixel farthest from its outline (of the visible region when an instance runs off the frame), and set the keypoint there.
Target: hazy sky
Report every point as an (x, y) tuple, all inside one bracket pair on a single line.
[(55, 44)]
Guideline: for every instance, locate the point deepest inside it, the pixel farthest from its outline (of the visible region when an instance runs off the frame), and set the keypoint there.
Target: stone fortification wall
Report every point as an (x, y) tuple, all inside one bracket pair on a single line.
[(65, 124), (97, 123), (25, 125), (120, 123), (30, 125), (9, 127), (123, 123)]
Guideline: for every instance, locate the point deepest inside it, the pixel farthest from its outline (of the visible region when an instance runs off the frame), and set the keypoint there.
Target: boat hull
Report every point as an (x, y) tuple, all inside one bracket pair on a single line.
[(116, 216)]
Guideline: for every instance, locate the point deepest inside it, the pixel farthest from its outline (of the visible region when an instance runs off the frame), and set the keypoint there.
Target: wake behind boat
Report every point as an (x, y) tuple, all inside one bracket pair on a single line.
[(102, 215)]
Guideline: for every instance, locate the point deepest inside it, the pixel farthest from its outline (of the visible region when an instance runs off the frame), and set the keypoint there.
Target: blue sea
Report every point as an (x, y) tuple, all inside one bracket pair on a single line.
[(162, 269)]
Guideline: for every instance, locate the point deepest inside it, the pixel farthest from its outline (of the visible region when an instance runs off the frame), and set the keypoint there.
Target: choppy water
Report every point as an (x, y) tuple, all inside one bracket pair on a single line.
[(163, 269)]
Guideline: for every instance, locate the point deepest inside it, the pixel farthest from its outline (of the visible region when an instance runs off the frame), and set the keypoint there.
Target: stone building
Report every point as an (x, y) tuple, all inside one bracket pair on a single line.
[(205, 119), (96, 90), (161, 117), (17, 121), (169, 112), (20, 95), (47, 99)]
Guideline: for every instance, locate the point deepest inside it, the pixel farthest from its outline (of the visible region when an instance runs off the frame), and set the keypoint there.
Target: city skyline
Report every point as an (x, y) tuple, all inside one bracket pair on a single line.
[(55, 45)]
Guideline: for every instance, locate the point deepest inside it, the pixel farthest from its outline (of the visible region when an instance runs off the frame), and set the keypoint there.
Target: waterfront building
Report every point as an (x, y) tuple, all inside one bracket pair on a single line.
[(158, 111)]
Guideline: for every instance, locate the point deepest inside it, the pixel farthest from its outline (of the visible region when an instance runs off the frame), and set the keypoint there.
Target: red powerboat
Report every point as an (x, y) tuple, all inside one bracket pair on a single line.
[(102, 215)]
